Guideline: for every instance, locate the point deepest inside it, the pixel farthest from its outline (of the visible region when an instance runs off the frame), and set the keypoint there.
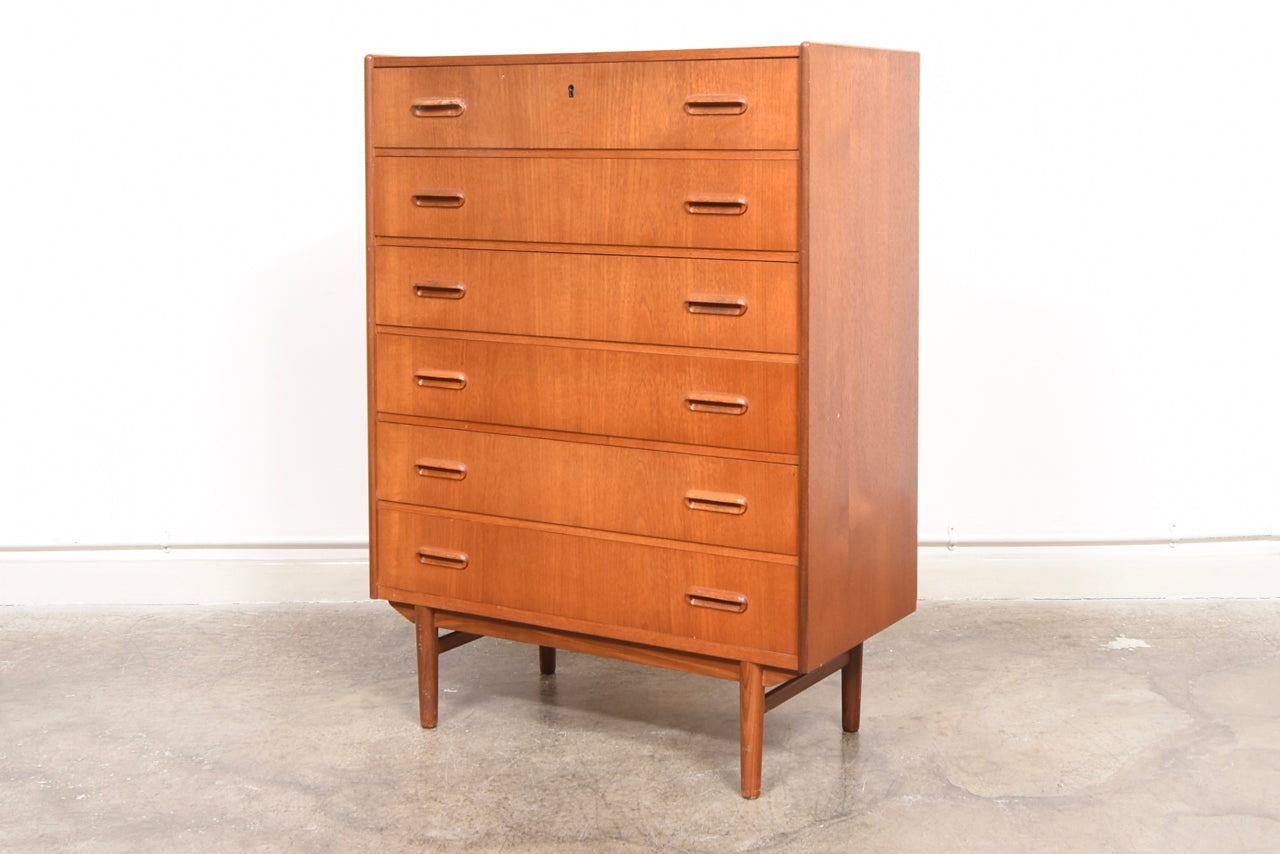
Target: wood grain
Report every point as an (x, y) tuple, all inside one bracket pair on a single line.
[(859, 331), (794, 687), (580, 577), (592, 297), (708, 252), (370, 324), (708, 549), (614, 105), (588, 200), (577, 439), (598, 486), (751, 715), (428, 642), (593, 439), (770, 52), (643, 395), (717, 666)]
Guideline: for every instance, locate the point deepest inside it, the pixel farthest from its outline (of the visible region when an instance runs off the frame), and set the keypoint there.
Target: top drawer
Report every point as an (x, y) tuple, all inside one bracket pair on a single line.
[(691, 104)]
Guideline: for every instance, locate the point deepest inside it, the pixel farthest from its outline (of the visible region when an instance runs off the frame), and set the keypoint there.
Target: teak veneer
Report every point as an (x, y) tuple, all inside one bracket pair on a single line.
[(643, 359)]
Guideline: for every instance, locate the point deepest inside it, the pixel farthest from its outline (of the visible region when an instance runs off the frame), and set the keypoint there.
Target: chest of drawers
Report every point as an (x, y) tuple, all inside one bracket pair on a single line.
[(642, 359)]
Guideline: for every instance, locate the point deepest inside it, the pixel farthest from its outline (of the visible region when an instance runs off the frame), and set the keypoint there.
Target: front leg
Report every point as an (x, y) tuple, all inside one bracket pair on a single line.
[(424, 620), (751, 711)]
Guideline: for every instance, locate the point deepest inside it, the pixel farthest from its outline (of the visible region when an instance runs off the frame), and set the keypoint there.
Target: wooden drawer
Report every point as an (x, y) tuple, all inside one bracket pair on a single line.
[(695, 302), (717, 598), (729, 402), (719, 104), (725, 204), (728, 502)]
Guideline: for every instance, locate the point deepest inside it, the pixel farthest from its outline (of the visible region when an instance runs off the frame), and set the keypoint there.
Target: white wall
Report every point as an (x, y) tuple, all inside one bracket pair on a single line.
[(182, 281)]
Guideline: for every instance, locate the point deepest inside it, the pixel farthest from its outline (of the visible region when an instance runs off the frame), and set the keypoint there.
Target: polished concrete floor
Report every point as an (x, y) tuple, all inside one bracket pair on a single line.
[(987, 726)]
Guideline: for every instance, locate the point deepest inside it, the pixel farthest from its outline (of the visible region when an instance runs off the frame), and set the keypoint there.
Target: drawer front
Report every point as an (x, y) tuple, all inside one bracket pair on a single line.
[(726, 402), (718, 104), (728, 502), (726, 204), (673, 591), (694, 302)]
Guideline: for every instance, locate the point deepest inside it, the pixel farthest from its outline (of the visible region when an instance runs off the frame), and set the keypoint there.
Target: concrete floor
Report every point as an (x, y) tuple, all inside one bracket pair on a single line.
[(1081, 727)]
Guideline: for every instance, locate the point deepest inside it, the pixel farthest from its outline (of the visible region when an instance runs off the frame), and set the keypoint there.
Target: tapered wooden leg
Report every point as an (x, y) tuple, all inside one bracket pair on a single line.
[(428, 665), (851, 691), (547, 660), (751, 709)]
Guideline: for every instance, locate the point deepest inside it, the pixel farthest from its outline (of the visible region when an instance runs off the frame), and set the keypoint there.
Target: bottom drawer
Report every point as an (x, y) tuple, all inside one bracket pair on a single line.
[(690, 594)]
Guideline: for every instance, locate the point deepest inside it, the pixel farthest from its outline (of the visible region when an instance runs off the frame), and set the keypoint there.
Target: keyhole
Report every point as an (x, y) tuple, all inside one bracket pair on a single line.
[(570, 90)]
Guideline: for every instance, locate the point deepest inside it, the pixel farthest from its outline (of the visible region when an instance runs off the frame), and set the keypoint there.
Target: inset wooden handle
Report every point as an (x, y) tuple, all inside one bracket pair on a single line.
[(439, 290), (443, 558), (716, 205), (716, 600), (715, 105), (716, 502), (439, 108), (453, 380), (447, 469), (439, 199), (721, 404), (724, 306)]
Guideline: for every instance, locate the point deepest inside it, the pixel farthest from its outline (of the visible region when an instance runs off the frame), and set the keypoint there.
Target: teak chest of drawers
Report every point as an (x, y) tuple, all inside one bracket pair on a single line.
[(642, 358)]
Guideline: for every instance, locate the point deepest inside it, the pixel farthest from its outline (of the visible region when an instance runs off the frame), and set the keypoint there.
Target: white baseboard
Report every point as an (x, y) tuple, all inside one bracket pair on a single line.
[(1249, 570), (181, 578), (1211, 570)]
